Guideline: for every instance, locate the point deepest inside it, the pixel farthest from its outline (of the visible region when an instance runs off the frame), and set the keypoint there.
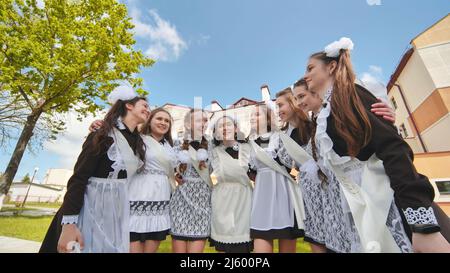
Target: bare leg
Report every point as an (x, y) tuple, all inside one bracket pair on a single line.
[(151, 246), (179, 246), (318, 248), (196, 246), (136, 247), (288, 246), (263, 246)]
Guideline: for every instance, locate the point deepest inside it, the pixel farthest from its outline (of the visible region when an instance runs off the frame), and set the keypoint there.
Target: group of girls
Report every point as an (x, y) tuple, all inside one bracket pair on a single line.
[(355, 188)]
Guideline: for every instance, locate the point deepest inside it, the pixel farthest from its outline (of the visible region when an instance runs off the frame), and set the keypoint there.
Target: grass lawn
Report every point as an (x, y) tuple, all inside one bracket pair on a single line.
[(15, 209), (23, 227), (36, 204), (34, 229)]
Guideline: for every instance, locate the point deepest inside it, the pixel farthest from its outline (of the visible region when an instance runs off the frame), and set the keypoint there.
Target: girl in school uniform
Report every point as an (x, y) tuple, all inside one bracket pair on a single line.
[(310, 103), (372, 197), (231, 198), (277, 207), (190, 205), (151, 189), (95, 212)]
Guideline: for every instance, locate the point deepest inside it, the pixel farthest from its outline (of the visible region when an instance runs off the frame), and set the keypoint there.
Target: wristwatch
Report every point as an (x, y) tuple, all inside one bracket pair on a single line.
[(425, 228)]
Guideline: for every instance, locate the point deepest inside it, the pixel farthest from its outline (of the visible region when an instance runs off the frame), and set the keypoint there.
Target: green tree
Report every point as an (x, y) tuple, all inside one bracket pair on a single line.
[(26, 179), (66, 55)]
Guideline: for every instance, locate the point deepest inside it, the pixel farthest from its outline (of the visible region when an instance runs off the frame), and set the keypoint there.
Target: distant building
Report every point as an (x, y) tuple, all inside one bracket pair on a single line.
[(240, 110), (419, 91), (36, 193), (52, 189)]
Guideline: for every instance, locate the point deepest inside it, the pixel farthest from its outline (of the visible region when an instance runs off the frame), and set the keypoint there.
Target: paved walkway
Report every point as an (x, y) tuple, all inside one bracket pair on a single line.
[(14, 245)]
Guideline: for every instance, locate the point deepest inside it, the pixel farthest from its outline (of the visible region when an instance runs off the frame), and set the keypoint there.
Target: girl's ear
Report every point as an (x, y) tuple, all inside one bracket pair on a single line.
[(332, 67), (129, 106)]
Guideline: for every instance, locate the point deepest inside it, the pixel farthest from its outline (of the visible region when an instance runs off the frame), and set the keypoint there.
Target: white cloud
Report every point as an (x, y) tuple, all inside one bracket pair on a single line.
[(165, 43), (373, 82), (374, 2), (68, 144)]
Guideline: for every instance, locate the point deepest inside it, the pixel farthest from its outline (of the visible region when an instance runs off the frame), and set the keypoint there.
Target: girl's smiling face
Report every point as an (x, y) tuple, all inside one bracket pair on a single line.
[(160, 123), (285, 110), (225, 129)]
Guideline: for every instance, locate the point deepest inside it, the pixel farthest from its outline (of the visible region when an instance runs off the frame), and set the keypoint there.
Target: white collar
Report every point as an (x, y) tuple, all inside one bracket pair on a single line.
[(266, 135), (289, 129)]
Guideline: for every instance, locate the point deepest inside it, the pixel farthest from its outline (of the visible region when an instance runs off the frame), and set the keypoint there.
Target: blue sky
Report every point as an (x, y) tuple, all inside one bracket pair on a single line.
[(225, 50)]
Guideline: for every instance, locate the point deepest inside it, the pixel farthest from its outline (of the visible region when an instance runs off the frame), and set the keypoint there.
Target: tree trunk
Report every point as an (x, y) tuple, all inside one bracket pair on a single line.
[(13, 165)]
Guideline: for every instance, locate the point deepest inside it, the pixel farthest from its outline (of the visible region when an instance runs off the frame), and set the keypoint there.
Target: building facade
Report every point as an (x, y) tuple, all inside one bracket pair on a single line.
[(419, 91)]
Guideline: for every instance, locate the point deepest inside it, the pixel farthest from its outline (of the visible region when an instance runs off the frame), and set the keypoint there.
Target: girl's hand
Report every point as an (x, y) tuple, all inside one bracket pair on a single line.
[(383, 109), (95, 125), (70, 232), (179, 179), (430, 243)]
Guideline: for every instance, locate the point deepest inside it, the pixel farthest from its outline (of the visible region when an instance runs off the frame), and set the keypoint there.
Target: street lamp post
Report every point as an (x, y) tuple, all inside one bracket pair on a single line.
[(31, 182)]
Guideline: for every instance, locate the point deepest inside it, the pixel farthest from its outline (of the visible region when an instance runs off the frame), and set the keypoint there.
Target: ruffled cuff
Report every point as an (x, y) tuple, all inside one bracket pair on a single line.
[(69, 219), (284, 157), (202, 155), (420, 215), (183, 157)]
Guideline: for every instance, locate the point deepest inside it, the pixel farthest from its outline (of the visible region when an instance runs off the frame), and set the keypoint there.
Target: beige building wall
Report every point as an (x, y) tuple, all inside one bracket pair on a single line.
[(437, 136), (415, 81), (436, 59), (435, 34), (58, 177)]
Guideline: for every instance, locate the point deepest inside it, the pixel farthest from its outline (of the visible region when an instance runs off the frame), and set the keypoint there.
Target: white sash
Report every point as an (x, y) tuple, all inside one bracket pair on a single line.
[(294, 188), (236, 169), (161, 156), (294, 150), (369, 204), (130, 160), (204, 173)]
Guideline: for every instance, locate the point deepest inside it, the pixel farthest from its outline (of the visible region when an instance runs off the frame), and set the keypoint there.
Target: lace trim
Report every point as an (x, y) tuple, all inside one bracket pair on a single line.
[(154, 171), (69, 219), (115, 156), (323, 141), (119, 124), (148, 208), (421, 215)]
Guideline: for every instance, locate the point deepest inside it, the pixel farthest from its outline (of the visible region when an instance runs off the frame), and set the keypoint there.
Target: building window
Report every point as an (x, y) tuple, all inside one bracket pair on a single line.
[(443, 186), (394, 103), (403, 130)]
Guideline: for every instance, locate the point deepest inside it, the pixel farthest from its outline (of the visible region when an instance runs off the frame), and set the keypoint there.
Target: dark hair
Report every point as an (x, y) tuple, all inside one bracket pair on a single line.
[(147, 128), (238, 135), (350, 117), (118, 110), (304, 125)]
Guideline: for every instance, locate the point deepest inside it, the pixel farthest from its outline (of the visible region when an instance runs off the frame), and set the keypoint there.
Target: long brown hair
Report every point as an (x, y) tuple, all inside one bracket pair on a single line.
[(147, 128), (350, 118), (303, 123), (118, 110)]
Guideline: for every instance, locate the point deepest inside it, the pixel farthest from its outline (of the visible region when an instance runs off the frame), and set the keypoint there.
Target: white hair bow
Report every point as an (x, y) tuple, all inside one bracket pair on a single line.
[(333, 49), (121, 93)]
